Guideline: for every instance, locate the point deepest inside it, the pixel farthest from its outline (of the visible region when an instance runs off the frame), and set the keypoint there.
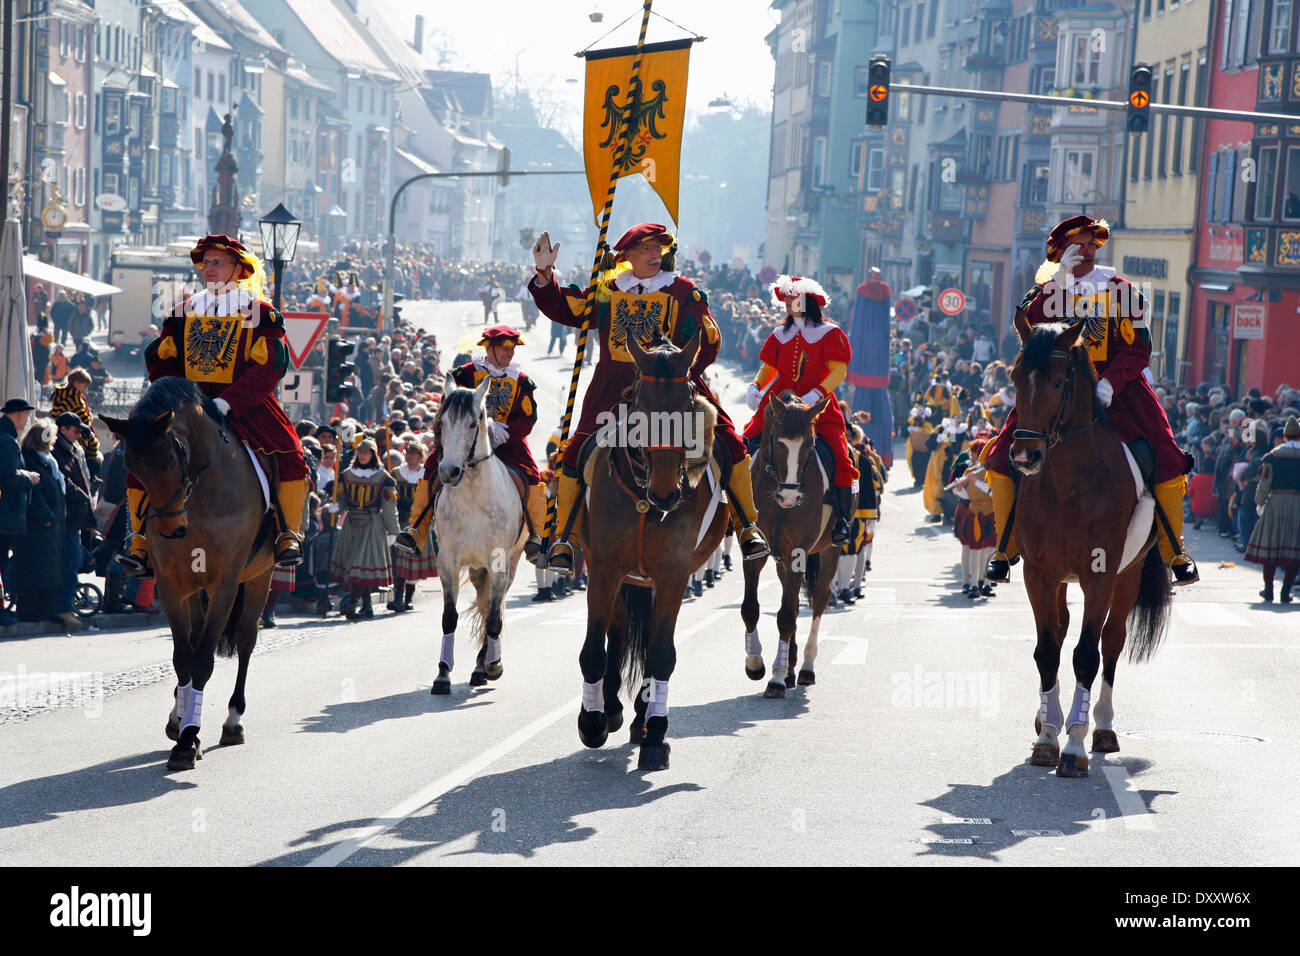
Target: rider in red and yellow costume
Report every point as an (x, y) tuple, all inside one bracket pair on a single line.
[(231, 343), (1071, 286), (809, 355)]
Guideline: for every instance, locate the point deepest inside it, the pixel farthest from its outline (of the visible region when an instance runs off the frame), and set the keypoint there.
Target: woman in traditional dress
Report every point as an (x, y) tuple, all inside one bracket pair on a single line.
[(1275, 542), (367, 496), (409, 568)]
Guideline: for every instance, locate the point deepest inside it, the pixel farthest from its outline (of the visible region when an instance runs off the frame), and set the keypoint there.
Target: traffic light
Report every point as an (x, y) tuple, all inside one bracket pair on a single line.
[(338, 369), (526, 238), (1139, 99), (503, 166), (878, 91), (926, 301)]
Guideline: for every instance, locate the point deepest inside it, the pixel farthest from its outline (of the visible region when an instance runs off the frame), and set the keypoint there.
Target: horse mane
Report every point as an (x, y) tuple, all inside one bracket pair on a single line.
[(661, 360), (460, 401), (168, 394), (797, 421)]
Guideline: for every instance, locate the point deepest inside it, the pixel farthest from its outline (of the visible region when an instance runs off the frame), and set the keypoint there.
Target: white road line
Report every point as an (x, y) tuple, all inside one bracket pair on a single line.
[(468, 771), (1131, 805), (1206, 614), (966, 821), (1036, 833), (854, 653)]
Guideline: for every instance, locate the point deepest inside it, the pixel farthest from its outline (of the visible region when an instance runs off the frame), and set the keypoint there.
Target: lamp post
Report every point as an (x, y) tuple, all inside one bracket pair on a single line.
[(279, 242)]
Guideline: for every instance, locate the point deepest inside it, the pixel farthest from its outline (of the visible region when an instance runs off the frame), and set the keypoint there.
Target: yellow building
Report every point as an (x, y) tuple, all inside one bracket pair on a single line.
[(1155, 246)]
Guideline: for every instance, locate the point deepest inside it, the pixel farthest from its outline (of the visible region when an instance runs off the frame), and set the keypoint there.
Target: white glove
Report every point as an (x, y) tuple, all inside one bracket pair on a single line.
[(1069, 259), (332, 507), (812, 397), (753, 396), (392, 538), (1105, 391), (223, 406), (500, 434), (544, 253)]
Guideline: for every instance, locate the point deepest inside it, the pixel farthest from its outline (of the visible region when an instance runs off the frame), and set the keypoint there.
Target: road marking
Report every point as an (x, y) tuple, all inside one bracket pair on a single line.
[(1207, 615), (966, 821), (468, 771), (961, 841), (854, 653), (1131, 805), (1036, 833)]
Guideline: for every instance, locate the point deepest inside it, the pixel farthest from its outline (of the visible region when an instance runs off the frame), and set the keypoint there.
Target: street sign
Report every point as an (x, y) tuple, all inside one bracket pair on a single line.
[(905, 310), (1248, 320), (110, 202), (767, 274), (951, 301), (704, 257), (296, 387), (302, 330), (738, 263)]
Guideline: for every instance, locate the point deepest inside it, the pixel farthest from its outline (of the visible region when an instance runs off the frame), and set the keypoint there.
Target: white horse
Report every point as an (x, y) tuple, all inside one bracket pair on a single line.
[(479, 521)]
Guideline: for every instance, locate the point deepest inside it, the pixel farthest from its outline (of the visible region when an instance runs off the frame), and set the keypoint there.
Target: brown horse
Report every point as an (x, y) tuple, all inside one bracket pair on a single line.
[(789, 492), (1074, 503), (653, 516), (210, 541)]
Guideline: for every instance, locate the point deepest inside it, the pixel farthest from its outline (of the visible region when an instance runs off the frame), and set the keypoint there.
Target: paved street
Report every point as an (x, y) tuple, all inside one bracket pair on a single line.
[(911, 749)]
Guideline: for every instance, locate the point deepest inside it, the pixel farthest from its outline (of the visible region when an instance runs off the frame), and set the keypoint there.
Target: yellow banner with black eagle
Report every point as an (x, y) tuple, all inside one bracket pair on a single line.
[(653, 117)]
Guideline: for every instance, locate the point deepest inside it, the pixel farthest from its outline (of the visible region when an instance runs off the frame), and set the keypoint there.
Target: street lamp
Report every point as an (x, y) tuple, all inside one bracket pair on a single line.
[(279, 242)]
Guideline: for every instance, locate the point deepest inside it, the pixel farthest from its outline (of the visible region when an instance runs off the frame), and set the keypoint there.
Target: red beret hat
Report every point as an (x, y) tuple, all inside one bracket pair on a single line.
[(244, 260), (1063, 236), (501, 333), (644, 230)]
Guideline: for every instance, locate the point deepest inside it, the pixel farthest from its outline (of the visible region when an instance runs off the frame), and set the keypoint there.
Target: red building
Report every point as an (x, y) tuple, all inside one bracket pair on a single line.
[(1245, 318)]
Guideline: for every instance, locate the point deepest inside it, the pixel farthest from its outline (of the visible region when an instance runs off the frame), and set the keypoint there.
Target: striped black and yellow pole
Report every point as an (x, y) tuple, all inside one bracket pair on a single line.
[(601, 247)]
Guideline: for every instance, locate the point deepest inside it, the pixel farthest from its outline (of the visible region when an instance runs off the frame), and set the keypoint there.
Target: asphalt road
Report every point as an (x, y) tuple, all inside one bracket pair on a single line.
[(911, 749)]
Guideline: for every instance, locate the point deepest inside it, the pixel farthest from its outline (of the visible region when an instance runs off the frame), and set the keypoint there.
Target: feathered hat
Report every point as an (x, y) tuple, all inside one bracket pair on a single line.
[(785, 288)]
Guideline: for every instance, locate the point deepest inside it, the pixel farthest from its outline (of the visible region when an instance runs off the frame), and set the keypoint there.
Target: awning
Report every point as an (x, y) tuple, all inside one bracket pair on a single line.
[(33, 268)]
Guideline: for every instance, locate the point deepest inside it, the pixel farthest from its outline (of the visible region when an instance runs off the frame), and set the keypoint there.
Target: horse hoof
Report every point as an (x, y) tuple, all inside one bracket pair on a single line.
[(1072, 765), (807, 678), (1105, 742), (478, 678), (494, 670), (183, 758), (173, 730), (636, 733), (789, 679), (593, 728), (232, 735), (441, 685), (653, 757), (774, 691), (757, 674), (615, 718), (1045, 755)]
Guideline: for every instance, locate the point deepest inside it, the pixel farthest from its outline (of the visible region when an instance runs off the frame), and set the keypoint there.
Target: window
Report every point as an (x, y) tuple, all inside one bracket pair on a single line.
[(1279, 30), (110, 183), (818, 160), (907, 27), (855, 161), (113, 117), (1042, 80), (1007, 159), (1266, 185), (293, 107), (1086, 67), (1150, 137), (79, 111), (64, 44), (920, 10), (1184, 74), (875, 170), (221, 87), (1077, 184), (861, 80), (1146, 9), (81, 45), (1240, 32), (950, 196), (79, 186), (934, 12), (1162, 166), (824, 79), (372, 99), (1225, 34), (911, 192)]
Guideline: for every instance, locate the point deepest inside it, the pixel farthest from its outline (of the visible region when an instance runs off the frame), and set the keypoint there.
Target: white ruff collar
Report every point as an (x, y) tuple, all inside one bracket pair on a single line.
[(1092, 282), (233, 302), (511, 370), (626, 282), (411, 474), (810, 334)]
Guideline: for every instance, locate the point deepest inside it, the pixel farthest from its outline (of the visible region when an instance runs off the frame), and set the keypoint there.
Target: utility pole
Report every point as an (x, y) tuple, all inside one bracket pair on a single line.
[(6, 109)]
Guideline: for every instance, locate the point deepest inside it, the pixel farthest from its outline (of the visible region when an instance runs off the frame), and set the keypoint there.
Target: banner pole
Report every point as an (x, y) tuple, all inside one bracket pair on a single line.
[(624, 142)]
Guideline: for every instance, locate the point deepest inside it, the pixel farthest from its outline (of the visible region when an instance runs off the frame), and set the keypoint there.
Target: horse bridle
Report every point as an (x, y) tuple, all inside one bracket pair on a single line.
[(1057, 434), (187, 485), (769, 464), (639, 464)]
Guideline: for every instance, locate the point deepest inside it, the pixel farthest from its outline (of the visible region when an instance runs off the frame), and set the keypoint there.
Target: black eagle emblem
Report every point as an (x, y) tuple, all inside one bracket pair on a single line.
[(641, 320), (640, 114), (210, 344), (500, 395)]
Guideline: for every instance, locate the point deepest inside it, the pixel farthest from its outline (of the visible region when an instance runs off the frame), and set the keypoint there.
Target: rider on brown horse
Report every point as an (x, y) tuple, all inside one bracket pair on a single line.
[(636, 297), (1119, 343), (231, 343)]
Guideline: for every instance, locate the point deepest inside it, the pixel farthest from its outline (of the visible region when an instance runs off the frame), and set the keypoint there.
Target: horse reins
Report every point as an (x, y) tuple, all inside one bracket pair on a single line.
[(769, 467), (1056, 435), (188, 484)]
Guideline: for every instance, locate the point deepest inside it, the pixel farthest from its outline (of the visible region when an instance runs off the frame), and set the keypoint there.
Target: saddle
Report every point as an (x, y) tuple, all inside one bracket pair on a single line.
[(1145, 457)]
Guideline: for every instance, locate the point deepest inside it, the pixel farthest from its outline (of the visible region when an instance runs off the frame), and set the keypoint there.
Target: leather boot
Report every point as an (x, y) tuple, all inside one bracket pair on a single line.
[(752, 543), (134, 555), (1003, 491), (560, 557), (1169, 495)]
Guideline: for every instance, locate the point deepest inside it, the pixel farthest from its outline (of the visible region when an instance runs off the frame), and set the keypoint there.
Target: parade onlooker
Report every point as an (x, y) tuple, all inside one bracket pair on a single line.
[(1275, 542), (61, 313), (71, 397), (79, 526), (16, 486), (38, 555)]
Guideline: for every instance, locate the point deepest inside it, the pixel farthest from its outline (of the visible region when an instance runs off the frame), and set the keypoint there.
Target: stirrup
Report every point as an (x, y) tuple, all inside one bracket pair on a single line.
[(998, 569), (752, 543), (1185, 572), (560, 558), (134, 564), (840, 532), (288, 550), (532, 549), (405, 542)]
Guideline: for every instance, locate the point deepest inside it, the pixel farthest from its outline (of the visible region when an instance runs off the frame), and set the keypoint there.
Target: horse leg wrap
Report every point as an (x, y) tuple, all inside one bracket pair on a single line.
[(1079, 709), (1049, 710), (193, 710), (782, 654), (753, 647), (448, 655), (183, 698), (658, 699), (493, 650), (593, 696)]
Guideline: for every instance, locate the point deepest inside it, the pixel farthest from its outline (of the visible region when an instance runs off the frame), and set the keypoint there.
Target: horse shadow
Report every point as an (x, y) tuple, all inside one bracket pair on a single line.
[(517, 813), (120, 782), (353, 715), (1044, 805)]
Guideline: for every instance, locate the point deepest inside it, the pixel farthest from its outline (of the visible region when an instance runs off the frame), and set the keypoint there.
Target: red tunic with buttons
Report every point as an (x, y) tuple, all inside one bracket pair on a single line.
[(234, 350), (802, 360), (1119, 344)]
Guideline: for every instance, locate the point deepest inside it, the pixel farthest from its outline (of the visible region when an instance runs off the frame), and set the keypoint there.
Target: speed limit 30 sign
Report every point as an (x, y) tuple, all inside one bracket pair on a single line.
[(951, 301)]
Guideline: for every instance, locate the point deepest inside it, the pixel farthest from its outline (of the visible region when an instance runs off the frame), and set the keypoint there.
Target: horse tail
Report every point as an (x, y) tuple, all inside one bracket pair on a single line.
[(226, 646), (1149, 619), (638, 602), (478, 611), (811, 569)]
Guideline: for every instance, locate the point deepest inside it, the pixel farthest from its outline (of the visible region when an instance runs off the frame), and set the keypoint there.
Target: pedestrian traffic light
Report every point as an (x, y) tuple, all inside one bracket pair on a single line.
[(338, 369), (1139, 99), (503, 166), (878, 91)]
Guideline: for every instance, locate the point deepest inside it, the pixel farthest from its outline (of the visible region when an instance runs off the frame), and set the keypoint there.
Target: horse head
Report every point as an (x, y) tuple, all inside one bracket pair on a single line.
[(676, 427), (1054, 384), (461, 427), (789, 443), (169, 427)]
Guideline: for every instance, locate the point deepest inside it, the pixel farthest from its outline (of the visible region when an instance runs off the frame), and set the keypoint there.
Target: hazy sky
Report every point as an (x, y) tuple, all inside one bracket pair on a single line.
[(488, 35)]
